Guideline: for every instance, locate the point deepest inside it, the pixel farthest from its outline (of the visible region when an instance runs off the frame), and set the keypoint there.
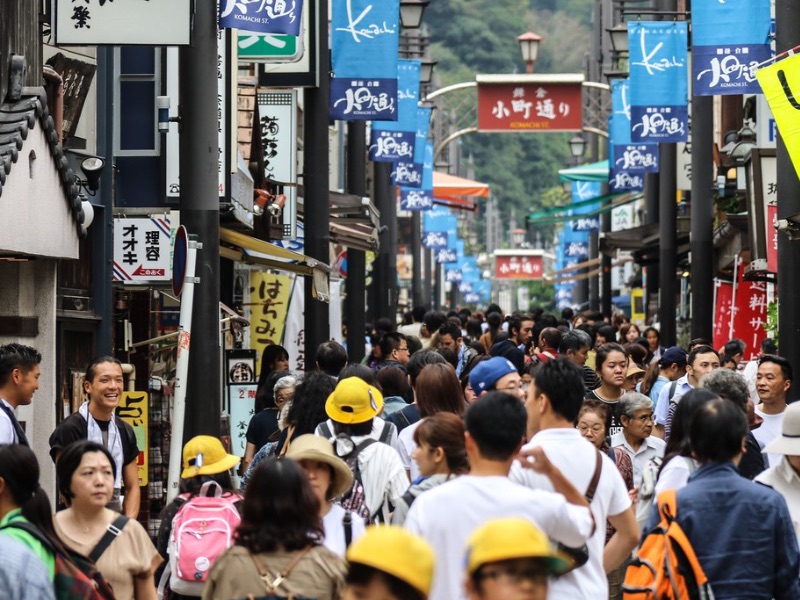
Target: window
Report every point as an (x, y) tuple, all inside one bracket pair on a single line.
[(137, 85)]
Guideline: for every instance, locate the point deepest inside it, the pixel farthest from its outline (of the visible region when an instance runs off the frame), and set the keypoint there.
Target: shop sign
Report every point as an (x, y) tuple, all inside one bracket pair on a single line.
[(142, 249), (539, 106)]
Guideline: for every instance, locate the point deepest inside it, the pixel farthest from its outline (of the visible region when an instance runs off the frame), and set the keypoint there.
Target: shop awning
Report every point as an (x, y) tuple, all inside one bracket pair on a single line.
[(597, 171), (244, 248), (553, 216), (354, 221), (457, 192)]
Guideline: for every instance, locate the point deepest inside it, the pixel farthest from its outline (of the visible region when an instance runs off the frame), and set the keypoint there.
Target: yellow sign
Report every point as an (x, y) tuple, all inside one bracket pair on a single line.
[(637, 306), (133, 409), (269, 302), (781, 85)]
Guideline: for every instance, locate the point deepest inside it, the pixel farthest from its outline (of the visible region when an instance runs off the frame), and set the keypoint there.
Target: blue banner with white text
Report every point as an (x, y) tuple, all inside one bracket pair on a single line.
[(393, 141), (364, 39), (582, 191), (420, 198), (659, 86), (728, 40), (262, 17), (627, 160), (409, 172)]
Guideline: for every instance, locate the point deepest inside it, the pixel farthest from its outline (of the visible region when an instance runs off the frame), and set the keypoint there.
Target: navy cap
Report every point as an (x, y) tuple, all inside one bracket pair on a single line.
[(673, 354), (487, 373)]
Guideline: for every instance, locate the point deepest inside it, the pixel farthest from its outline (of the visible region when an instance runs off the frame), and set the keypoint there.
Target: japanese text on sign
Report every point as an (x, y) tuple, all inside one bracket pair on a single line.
[(519, 107), (142, 249), (269, 301), (133, 409)]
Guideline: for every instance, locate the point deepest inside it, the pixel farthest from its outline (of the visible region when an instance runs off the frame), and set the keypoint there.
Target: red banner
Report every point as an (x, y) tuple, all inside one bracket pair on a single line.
[(772, 239), (529, 107), (750, 313), (518, 267), (723, 304)]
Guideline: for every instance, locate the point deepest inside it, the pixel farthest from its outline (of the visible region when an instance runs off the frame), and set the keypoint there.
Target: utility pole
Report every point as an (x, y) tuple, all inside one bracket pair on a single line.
[(199, 168), (315, 179), (787, 29), (356, 259)]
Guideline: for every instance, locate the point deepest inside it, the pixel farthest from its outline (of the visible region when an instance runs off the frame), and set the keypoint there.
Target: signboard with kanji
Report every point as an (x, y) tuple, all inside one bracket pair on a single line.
[(518, 267), (268, 47), (133, 409), (537, 105), (142, 247), (95, 22), (269, 303)]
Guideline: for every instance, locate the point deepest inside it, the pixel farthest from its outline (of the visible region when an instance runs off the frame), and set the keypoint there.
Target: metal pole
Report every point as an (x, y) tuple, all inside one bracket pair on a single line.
[(787, 23), (317, 219), (702, 218), (182, 369), (199, 168), (668, 214), (651, 185), (416, 258), (437, 287), (427, 254), (356, 259), (605, 263), (386, 265)]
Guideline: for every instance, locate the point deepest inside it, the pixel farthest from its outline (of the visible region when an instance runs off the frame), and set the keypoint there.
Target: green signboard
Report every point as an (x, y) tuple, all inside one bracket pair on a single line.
[(268, 47)]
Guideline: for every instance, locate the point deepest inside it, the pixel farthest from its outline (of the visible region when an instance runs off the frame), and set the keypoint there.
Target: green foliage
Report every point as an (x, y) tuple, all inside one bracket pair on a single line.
[(479, 36)]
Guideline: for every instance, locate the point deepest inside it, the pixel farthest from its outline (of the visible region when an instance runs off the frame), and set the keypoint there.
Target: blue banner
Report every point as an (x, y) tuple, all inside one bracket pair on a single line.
[(435, 239), (409, 172), (618, 179), (364, 38), (581, 191), (728, 40), (659, 81), (420, 198), (262, 17), (439, 219), (395, 140), (628, 161)]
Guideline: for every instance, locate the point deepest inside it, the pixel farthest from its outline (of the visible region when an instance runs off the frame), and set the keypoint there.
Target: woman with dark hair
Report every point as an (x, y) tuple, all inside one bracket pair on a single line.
[(678, 462), (611, 365), (278, 546), (263, 426), (215, 465), (437, 390), (274, 358), (360, 371), (85, 472), (494, 320), (440, 455), (628, 333), (393, 383), (653, 337), (307, 411)]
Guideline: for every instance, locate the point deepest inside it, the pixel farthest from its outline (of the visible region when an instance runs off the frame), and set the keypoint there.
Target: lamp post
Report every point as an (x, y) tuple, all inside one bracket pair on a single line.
[(577, 148), (529, 46)]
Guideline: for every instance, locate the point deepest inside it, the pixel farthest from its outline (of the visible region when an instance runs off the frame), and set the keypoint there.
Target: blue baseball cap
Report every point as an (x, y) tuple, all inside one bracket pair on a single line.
[(487, 373)]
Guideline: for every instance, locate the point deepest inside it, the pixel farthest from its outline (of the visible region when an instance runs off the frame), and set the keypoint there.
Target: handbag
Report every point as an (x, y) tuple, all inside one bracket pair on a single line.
[(272, 584)]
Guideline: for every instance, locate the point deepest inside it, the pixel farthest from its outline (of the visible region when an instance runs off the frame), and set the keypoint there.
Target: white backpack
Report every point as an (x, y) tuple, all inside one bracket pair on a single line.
[(202, 529)]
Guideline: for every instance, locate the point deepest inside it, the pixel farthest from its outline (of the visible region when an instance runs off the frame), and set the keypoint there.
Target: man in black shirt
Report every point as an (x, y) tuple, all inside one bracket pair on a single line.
[(96, 421)]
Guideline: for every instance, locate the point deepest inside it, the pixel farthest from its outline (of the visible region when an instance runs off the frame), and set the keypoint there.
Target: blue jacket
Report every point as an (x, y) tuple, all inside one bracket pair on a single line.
[(742, 534)]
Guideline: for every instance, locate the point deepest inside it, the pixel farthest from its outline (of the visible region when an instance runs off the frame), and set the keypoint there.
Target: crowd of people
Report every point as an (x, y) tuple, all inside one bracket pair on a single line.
[(470, 456)]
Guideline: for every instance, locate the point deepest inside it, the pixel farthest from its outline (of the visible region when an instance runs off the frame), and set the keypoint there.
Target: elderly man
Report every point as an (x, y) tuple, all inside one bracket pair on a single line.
[(636, 416)]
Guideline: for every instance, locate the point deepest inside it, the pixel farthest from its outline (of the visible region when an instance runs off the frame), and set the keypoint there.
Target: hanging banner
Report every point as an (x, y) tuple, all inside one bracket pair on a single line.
[(439, 219), (435, 239), (420, 198), (263, 17), (781, 84), (396, 140), (750, 313), (723, 312), (627, 157), (269, 301), (133, 409), (294, 335), (409, 173), (728, 40), (582, 191), (364, 38), (659, 81), (446, 255)]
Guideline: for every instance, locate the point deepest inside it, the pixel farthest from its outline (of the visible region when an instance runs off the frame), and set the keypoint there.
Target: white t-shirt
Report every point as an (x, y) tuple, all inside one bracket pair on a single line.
[(576, 458), (334, 529), (652, 447), (769, 430), (448, 514), (675, 474), (405, 446), (7, 433)]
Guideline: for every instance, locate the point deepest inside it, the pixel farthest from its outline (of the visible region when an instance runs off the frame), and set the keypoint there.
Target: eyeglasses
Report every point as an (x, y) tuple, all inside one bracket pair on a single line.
[(402, 349), (513, 576), (644, 418), (583, 428), (512, 387)]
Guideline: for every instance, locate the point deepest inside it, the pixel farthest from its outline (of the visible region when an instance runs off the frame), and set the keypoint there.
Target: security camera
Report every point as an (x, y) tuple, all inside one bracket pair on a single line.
[(162, 105)]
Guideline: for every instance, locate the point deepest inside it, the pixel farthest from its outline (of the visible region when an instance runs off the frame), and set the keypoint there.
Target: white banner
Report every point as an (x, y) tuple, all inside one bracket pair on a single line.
[(294, 334)]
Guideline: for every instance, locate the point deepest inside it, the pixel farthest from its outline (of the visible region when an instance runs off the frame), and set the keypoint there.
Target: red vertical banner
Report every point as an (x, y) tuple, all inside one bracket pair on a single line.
[(750, 313), (723, 312), (772, 238)]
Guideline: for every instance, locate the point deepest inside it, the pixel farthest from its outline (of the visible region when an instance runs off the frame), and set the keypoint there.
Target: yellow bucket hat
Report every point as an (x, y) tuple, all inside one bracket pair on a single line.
[(205, 455), (395, 551), (354, 401), (510, 538)]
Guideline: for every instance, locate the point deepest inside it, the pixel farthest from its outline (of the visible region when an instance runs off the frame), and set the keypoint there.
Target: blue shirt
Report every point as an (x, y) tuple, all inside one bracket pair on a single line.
[(658, 385), (741, 533), (22, 575)]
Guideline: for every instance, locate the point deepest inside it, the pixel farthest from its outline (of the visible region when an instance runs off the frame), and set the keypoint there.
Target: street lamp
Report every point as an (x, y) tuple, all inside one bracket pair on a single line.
[(411, 13), (529, 46), (577, 146), (426, 71), (518, 235), (619, 38)]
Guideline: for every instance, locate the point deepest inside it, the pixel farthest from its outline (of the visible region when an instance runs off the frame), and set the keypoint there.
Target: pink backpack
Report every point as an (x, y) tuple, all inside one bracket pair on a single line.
[(202, 529)]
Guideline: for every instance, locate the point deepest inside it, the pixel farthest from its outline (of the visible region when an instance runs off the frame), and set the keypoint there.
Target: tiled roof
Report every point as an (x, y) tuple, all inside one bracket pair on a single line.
[(17, 119)]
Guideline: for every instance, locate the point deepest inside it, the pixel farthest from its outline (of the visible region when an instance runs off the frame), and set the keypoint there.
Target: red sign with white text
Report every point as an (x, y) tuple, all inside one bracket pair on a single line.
[(529, 107), (750, 313), (518, 267), (723, 305), (772, 239)]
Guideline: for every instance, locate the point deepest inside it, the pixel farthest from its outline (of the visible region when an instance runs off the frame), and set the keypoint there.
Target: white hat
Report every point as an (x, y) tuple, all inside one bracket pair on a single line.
[(789, 442)]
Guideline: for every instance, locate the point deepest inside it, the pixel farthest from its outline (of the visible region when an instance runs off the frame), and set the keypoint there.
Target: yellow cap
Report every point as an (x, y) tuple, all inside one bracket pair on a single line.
[(398, 552), (511, 538), (354, 401), (205, 455)]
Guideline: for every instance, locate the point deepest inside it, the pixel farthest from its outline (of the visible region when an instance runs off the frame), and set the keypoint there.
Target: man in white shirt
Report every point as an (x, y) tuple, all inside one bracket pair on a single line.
[(773, 380), (19, 380), (636, 416), (554, 399), (447, 515)]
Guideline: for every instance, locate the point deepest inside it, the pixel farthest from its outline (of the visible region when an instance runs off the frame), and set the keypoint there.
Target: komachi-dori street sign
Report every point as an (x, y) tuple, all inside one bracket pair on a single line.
[(518, 267), (530, 102), (263, 16)]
